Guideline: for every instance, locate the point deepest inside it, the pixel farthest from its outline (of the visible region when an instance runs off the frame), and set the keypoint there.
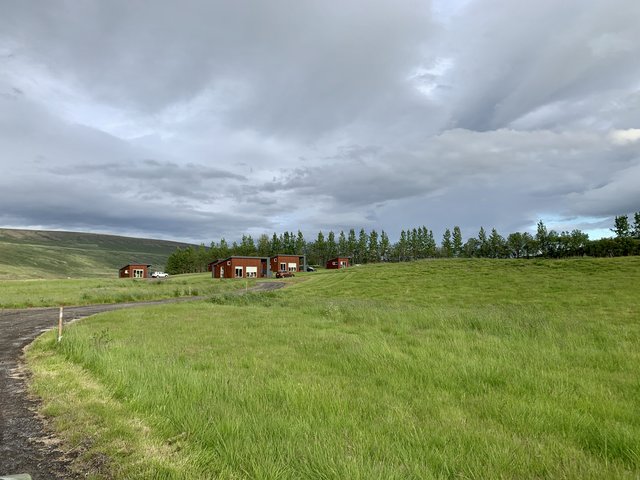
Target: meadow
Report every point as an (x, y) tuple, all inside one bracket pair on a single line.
[(91, 291), (35, 254), (432, 369)]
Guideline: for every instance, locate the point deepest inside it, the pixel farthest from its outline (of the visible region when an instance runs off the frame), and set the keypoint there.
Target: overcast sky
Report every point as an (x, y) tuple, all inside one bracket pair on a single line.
[(196, 120)]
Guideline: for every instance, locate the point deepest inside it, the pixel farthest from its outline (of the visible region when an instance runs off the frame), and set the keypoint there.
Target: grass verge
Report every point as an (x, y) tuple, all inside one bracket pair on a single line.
[(429, 370), (48, 293)]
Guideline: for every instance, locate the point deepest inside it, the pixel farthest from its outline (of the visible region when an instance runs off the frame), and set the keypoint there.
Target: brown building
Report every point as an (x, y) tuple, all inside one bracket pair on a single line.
[(288, 263), (134, 270), (338, 262), (241, 267)]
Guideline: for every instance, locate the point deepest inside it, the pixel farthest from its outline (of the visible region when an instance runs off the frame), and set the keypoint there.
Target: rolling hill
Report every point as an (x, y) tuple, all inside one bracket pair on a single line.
[(26, 254)]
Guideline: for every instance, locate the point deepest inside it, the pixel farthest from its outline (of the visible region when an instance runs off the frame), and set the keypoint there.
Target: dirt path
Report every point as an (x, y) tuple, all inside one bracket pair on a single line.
[(26, 445)]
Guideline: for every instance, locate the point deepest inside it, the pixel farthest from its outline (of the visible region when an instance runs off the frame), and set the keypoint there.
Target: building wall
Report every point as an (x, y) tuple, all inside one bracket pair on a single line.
[(338, 262), (229, 267), (287, 259), (128, 270)]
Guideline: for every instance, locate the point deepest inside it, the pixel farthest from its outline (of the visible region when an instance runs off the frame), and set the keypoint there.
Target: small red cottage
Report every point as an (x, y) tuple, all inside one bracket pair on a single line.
[(288, 263), (134, 270), (338, 262), (240, 267)]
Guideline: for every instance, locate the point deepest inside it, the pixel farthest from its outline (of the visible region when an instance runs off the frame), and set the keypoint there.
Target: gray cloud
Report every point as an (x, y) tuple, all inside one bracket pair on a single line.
[(210, 119), (515, 58)]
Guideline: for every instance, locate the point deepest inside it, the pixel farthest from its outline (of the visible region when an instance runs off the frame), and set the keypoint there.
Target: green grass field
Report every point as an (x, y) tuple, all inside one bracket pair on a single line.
[(51, 293), (434, 369), (31, 254)]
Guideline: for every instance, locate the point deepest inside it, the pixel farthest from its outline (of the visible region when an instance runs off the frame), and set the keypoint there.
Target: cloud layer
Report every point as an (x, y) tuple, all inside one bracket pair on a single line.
[(198, 120)]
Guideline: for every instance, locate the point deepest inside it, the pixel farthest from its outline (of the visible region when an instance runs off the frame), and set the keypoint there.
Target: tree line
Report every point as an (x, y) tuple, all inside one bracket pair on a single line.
[(414, 244)]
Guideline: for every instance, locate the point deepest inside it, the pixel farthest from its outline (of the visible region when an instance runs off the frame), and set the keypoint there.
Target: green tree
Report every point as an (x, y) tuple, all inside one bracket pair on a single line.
[(431, 245), (373, 254), (385, 247), (496, 244), (414, 244), (515, 244), (363, 241), (621, 226), (457, 241), (331, 247), (471, 248), (223, 250), (182, 261), (285, 243), (530, 245), (275, 244), (202, 258), (483, 242), (636, 225), (247, 246), (301, 245), (402, 246), (343, 247), (320, 248), (264, 245), (542, 239), (578, 242), (352, 244), (447, 245)]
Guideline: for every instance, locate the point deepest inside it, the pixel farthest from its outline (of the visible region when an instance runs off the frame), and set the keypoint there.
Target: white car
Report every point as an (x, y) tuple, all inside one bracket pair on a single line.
[(159, 275)]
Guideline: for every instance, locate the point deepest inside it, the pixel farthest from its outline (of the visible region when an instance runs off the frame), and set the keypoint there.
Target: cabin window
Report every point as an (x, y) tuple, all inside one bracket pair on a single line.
[(238, 272), (293, 267), (343, 264), (283, 267), (137, 273), (252, 272)]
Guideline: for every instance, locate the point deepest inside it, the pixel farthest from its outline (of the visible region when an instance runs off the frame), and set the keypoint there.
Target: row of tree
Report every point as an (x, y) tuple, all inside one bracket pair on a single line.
[(416, 243)]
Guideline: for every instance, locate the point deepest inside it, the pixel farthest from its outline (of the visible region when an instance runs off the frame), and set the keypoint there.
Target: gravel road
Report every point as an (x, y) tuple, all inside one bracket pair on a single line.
[(26, 444)]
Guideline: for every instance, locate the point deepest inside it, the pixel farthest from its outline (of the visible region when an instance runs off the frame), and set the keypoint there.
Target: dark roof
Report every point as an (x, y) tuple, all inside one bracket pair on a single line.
[(132, 264)]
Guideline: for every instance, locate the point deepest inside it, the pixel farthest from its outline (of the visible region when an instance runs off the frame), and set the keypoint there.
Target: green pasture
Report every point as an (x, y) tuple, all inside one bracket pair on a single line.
[(434, 369), (34, 254), (48, 293)]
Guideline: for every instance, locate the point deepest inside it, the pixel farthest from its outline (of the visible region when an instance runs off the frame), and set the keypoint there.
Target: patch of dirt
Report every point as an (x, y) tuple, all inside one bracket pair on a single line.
[(27, 444)]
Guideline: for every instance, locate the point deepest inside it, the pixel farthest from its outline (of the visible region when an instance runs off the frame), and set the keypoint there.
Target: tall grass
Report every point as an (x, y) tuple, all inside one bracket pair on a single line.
[(470, 369), (46, 293)]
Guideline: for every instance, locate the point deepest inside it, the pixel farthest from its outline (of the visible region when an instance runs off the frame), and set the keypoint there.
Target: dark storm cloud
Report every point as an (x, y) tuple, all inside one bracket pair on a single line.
[(200, 119), (149, 169), (290, 66), (517, 176), (44, 205)]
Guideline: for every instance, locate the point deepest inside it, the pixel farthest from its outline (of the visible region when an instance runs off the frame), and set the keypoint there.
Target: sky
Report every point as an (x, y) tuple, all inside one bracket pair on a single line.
[(197, 120)]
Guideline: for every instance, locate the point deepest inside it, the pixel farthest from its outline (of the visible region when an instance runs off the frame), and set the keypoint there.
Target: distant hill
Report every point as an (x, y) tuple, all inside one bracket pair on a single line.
[(45, 254)]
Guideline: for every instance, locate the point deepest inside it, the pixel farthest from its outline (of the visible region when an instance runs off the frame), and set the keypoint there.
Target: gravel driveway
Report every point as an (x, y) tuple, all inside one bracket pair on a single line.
[(26, 444)]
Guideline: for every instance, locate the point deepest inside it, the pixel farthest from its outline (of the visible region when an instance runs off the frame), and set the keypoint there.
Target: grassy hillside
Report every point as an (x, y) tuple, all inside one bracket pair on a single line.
[(434, 369), (42, 254)]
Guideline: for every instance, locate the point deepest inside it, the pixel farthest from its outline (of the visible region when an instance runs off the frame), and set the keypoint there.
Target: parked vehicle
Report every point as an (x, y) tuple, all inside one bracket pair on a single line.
[(159, 275), (310, 269), (283, 274)]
